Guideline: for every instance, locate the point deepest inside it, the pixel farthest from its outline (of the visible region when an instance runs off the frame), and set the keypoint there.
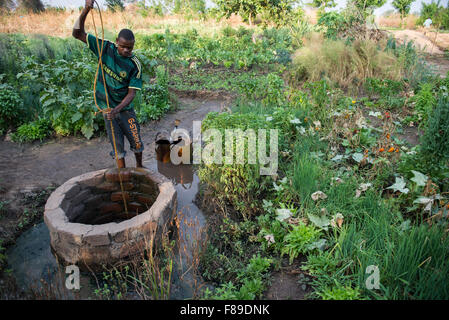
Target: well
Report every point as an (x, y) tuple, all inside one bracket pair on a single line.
[(89, 226)]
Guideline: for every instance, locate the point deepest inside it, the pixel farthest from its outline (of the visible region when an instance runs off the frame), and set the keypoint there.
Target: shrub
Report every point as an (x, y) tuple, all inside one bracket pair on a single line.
[(155, 98), (387, 91), (434, 144), (424, 103), (299, 240), (346, 65), (340, 292), (11, 107), (36, 130)]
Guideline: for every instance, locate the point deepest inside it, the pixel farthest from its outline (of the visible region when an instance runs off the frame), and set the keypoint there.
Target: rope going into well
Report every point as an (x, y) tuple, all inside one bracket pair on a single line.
[(100, 66)]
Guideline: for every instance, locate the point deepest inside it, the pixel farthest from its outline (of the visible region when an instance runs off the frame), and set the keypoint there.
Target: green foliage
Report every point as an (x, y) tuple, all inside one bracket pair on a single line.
[(434, 147), (367, 6), (424, 101), (403, 6), (31, 5), (155, 98), (436, 12), (300, 240), (115, 5), (273, 11), (333, 22), (339, 292), (11, 107), (387, 92), (63, 97), (269, 89), (412, 63), (36, 130), (230, 48), (190, 7), (249, 279)]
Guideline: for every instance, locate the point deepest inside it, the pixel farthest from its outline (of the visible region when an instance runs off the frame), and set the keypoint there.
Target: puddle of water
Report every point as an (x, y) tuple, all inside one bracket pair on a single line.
[(32, 262), (31, 258)]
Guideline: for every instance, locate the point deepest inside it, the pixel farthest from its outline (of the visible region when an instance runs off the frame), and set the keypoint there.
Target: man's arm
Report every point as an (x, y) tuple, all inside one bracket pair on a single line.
[(78, 29), (125, 102)]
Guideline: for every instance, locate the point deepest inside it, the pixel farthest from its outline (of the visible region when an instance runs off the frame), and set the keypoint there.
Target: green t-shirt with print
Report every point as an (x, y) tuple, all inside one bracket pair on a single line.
[(120, 72)]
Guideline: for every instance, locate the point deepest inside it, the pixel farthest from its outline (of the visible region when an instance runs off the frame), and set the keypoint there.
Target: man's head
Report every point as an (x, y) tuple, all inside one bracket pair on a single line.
[(125, 42)]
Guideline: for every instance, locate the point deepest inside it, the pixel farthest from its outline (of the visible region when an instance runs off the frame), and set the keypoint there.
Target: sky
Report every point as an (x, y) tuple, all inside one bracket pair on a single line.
[(416, 6)]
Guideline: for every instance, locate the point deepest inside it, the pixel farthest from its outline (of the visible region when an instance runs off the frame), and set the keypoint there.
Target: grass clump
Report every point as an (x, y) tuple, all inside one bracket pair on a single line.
[(345, 64)]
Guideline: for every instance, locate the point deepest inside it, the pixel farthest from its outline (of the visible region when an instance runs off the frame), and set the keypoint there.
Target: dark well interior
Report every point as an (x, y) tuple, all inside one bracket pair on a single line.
[(104, 203)]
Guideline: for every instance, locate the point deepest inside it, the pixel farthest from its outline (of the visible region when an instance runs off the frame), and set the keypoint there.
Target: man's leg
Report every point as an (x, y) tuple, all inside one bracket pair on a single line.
[(131, 129), (139, 160), (119, 141)]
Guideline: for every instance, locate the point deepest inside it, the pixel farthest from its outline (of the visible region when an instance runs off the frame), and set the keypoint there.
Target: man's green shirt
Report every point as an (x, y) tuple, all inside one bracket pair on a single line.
[(120, 72)]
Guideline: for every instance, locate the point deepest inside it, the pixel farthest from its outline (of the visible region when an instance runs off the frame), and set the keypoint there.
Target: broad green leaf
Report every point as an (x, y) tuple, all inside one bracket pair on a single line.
[(76, 117), (419, 178), (321, 222), (320, 245), (87, 131), (283, 214), (358, 157), (399, 185)]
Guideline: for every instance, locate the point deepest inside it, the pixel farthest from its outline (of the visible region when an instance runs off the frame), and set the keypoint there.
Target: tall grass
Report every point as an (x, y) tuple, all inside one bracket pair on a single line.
[(61, 23), (412, 259), (342, 63)]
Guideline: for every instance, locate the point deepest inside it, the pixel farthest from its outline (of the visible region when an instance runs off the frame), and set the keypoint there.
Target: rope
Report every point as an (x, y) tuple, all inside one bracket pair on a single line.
[(100, 64)]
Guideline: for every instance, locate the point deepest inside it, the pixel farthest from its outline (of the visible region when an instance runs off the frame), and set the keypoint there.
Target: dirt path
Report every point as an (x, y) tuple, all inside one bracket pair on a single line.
[(431, 44), (32, 166), (420, 39)]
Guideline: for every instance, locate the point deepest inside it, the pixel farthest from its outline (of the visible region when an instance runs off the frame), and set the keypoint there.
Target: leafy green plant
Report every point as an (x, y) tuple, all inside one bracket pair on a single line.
[(250, 279), (387, 92), (300, 240), (434, 147), (333, 23), (36, 130), (424, 103), (155, 98), (11, 107), (340, 292)]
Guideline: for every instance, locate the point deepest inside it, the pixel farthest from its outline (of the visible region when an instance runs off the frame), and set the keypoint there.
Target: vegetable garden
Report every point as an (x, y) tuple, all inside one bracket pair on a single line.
[(363, 176)]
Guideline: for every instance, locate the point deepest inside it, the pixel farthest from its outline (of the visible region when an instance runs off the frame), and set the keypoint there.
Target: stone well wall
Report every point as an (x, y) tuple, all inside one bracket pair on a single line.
[(87, 221)]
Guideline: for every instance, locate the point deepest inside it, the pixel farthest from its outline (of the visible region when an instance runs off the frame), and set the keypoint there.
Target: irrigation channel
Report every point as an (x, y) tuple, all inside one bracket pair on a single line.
[(34, 265)]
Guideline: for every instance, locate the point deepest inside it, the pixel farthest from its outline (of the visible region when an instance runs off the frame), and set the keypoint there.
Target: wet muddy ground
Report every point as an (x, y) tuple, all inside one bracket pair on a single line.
[(31, 168)]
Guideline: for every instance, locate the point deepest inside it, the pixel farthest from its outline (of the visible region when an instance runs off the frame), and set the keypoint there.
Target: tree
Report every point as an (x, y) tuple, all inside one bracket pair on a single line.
[(115, 5), (31, 5), (189, 6), (438, 13), (6, 4), (322, 5), (273, 10), (403, 6), (367, 6)]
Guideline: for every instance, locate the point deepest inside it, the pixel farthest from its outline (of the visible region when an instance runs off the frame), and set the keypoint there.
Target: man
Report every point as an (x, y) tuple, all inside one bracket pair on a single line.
[(123, 76)]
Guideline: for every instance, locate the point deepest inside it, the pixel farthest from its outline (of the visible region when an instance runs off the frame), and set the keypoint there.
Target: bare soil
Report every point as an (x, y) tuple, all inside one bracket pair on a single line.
[(37, 165), (289, 282), (423, 41), (431, 44)]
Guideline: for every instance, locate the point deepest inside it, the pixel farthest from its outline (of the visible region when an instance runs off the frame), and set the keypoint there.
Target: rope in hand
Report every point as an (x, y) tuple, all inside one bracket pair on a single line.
[(100, 66)]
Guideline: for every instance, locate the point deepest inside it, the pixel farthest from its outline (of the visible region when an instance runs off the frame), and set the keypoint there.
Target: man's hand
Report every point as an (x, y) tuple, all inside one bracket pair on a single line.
[(89, 4), (112, 114)]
